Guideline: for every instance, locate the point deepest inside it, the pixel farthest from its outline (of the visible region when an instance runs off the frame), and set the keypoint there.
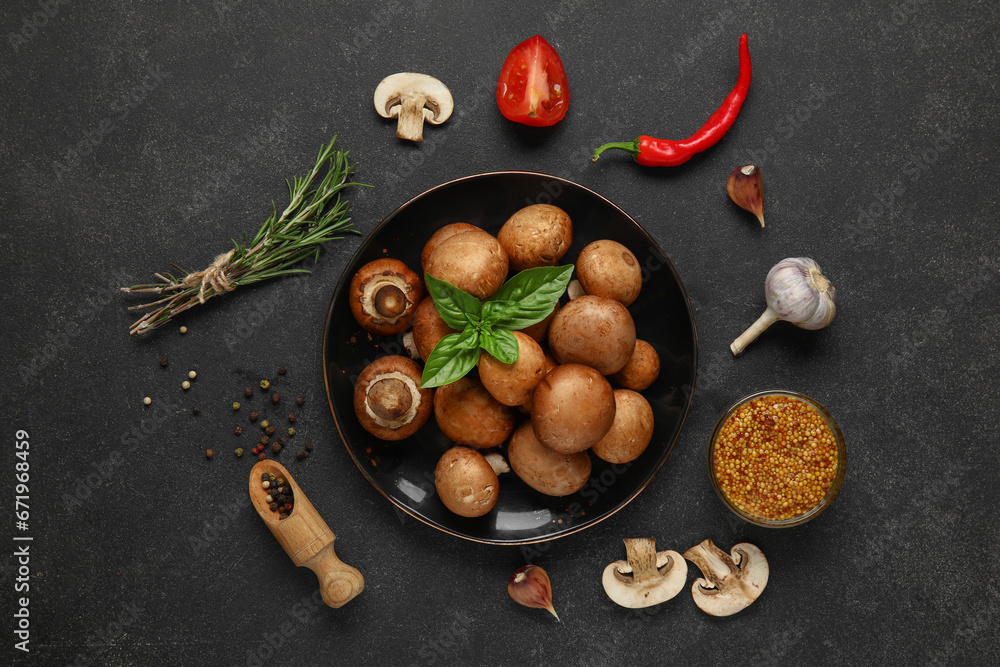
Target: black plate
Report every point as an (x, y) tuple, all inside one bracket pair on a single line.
[(404, 471)]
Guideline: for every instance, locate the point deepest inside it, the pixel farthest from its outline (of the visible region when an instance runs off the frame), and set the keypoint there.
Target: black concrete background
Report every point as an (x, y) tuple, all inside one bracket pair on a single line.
[(875, 126)]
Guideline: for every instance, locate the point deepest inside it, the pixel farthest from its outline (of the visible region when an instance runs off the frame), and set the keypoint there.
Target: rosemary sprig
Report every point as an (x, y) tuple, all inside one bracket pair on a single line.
[(313, 217)]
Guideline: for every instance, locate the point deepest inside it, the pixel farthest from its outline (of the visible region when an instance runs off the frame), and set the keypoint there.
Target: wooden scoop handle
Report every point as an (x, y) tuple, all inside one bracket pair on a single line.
[(339, 582)]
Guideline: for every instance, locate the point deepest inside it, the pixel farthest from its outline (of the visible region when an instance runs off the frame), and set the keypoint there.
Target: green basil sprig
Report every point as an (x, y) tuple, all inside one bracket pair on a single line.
[(526, 299)]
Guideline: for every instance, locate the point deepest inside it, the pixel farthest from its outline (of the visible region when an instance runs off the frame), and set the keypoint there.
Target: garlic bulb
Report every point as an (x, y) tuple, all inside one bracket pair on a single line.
[(797, 292)]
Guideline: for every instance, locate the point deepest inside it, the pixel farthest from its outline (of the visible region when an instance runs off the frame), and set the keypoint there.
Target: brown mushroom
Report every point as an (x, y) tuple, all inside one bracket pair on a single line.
[(594, 331), (388, 399), (413, 98), (642, 369), (512, 384), (631, 432), (550, 364), (465, 482), (540, 330), (730, 583), (609, 269), (573, 408), (471, 261), (544, 470), (440, 235), (428, 327), (537, 235), (383, 296), (466, 413)]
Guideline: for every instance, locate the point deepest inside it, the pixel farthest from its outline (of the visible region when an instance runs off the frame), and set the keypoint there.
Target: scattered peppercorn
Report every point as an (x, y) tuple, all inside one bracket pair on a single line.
[(238, 430), (209, 453), (253, 416), (291, 432), (196, 411), (248, 392), (300, 399), (192, 374), (301, 454), (276, 447), (239, 451), (261, 456), (264, 439), (236, 406), (185, 385), (264, 384), (309, 446), (282, 370), (264, 424), (184, 330), (164, 362), (269, 430), (275, 397), (147, 401), (283, 439), (291, 417)]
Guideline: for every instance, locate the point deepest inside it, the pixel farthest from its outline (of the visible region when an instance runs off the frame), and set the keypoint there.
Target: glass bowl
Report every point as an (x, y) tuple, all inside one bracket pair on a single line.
[(834, 485)]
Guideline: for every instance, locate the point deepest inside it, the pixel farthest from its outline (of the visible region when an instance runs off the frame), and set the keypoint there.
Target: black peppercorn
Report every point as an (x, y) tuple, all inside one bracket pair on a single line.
[(196, 411), (164, 362), (264, 477), (276, 447), (274, 507), (283, 439), (253, 417), (301, 454), (248, 391), (309, 446), (291, 417), (269, 430), (300, 399), (282, 370), (275, 397), (237, 430), (264, 440), (283, 490)]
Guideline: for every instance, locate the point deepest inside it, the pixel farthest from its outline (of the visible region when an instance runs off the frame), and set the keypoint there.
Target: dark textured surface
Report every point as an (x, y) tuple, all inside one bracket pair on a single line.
[(875, 127)]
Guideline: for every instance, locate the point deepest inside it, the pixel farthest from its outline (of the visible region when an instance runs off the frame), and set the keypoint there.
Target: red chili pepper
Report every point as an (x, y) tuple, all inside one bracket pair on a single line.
[(651, 152)]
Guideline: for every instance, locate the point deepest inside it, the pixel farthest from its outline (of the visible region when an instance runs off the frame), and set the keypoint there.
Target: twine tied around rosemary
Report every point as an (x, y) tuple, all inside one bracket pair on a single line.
[(312, 217)]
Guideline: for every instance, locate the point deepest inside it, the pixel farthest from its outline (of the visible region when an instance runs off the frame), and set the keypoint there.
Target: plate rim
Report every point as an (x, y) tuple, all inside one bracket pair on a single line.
[(407, 510)]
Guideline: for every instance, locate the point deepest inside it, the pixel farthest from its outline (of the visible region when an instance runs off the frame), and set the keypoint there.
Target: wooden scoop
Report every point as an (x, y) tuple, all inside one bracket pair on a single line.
[(306, 538)]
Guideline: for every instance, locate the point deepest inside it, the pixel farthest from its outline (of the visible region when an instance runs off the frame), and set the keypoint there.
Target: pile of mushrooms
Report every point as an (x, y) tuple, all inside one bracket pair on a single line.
[(577, 376), (730, 582)]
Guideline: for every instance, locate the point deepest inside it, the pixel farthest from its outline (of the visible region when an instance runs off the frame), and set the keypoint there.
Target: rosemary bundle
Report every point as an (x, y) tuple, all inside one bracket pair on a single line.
[(313, 217)]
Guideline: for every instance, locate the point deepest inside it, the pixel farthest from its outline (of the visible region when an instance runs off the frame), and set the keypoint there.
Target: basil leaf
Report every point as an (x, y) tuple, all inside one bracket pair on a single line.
[(468, 339), (532, 294), (501, 344), (494, 310), (454, 305), (448, 362)]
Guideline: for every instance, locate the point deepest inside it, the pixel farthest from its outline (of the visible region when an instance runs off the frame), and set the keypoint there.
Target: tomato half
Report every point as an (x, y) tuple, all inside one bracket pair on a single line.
[(532, 88)]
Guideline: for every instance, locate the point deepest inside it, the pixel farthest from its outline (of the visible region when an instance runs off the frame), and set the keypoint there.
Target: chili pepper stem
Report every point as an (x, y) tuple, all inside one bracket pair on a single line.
[(630, 146), (757, 328)]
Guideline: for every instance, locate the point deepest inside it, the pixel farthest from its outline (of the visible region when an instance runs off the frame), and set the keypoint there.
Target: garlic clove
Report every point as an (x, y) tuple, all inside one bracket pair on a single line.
[(529, 586), (746, 188)]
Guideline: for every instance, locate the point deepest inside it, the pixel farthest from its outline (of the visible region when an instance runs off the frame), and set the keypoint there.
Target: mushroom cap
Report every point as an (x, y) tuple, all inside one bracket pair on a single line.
[(383, 295), (730, 583), (540, 330), (609, 269), (647, 577), (394, 382), (471, 261), (641, 370), (631, 432), (392, 90), (440, 235), (537, 235), (512, 384), (573, 408), (595, 331), (465, 482), (428, 327), (466, 413), (544, 470), (550, 365)]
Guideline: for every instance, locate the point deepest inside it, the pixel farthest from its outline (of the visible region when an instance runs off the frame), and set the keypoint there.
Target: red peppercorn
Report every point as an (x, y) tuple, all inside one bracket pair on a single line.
[(288, 507), (262, 456)]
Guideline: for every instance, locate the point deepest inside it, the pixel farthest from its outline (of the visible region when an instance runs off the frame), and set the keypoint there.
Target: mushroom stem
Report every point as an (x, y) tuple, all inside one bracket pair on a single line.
[(757, 328), (411, 118), (640, 552), (714, 563)]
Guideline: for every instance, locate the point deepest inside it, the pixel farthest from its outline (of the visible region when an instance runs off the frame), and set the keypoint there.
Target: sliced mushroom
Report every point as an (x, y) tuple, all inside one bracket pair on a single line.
[(383, 296), (647, 577), (388, 399), (730, 584), (413, 98)]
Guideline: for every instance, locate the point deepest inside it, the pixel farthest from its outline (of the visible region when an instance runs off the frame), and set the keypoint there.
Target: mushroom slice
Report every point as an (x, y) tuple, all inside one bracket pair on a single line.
[(730, 584), (647, 577), (413, 98)]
